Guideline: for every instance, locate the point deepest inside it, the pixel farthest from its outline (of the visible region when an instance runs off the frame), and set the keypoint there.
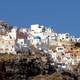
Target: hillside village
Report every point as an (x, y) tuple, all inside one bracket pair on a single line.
[(18, 40), (61, 48)]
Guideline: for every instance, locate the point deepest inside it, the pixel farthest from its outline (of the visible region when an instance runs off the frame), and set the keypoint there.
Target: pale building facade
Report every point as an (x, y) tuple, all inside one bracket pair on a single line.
[(7, 46), (37, 28), (64, 37)]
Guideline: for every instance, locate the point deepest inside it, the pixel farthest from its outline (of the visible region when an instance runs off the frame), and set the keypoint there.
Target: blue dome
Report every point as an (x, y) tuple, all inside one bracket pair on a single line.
[(37, 37)]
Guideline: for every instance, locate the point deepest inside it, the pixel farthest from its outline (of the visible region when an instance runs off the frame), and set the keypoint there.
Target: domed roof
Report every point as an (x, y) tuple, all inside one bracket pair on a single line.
[(37, 37)]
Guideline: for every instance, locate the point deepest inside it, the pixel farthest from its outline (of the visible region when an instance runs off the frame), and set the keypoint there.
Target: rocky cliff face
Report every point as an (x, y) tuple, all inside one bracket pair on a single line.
[(35, 67), (34, 70)]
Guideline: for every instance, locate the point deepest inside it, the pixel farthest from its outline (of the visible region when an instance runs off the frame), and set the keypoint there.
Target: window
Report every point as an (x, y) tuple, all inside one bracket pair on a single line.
[(66, 37), (12, 46), (39, 26), (60, 48), (21, 42)]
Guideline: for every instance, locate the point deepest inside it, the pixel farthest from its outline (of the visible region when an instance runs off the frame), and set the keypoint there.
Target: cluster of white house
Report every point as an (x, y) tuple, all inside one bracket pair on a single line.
[(41, 37), (36, 35)]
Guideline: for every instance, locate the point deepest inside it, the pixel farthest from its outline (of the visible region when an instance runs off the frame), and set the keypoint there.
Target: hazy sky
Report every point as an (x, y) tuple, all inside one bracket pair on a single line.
[(63, 15)]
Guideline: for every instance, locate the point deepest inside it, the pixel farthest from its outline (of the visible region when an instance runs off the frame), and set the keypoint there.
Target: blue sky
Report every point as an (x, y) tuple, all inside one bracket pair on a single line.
[(63, 15)]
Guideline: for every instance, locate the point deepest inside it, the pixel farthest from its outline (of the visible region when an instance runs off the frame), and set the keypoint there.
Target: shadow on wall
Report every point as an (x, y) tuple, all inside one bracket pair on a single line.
[(77, 44)]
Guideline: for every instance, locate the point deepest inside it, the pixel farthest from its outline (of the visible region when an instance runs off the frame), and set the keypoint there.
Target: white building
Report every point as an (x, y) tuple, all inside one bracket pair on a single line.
[(78, 40), (64, 37), (7, 42), (74, 39), (23, 30), (36, 41), (7, 46), (37, 28), (12, 34)]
